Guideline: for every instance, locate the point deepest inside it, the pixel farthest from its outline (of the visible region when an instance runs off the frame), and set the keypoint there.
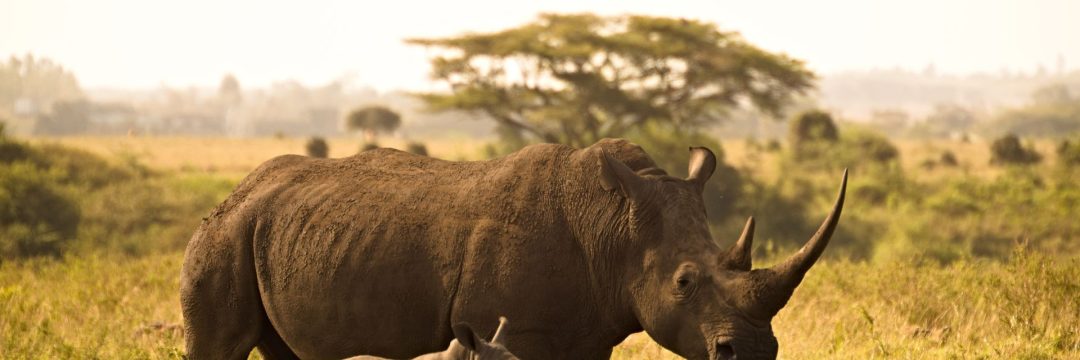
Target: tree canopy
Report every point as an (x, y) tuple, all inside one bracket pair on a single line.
[(372, 120), (578, 78)]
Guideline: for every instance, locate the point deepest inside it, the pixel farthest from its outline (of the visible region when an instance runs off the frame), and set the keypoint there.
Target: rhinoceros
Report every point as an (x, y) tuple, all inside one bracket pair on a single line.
[(466, 346), (380, 253)]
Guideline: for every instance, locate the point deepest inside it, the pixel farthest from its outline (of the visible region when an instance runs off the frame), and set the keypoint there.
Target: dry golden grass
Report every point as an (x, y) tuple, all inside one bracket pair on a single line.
[(90, 307), (640, 346), (238, 156), (241, 155), (974, 157)]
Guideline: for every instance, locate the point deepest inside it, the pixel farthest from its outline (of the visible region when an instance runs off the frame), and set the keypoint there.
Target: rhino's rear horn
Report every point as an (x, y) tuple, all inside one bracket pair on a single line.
[(738, 257), (782, 279)]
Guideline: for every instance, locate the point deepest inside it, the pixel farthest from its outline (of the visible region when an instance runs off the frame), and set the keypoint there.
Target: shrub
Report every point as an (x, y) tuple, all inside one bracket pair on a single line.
[(1069, 152), (317, 147), (816, 142), (968, 216), (870, 145), (38, 211), (55, 199), (948, 159), (416, 148), (11, 151), (38, 215), (772, 145), (1008, 150), (856, 147), (144, 216), (812, 126), (369, 146), (84, 169)]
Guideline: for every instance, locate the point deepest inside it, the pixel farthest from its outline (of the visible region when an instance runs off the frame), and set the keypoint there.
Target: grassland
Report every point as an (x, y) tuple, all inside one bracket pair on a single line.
[(94, 305), (112, 308), (234, 157)]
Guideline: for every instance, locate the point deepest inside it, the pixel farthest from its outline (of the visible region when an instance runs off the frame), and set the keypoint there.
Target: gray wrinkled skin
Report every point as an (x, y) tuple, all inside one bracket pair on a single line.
[(381, 252)]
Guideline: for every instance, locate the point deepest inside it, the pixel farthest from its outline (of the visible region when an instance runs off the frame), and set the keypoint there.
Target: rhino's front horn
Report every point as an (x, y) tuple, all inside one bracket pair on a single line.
[(782, 279)]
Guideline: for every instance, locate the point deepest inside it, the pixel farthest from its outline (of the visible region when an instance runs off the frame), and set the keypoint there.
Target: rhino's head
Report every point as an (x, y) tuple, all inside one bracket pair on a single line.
[(691, 296), (468, 346)]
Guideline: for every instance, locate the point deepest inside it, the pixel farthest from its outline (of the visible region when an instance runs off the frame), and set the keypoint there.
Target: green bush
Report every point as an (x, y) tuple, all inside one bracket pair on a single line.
[(55, 199), (417, 148), (872, 146), (11, 151), (772, 145), (855, 148), (809, 129), (86, 170), (316, 147), (1068, 152), (1007, 150), (38, 215), (369, 146), (148, 215), (948, 159), (974, 217)]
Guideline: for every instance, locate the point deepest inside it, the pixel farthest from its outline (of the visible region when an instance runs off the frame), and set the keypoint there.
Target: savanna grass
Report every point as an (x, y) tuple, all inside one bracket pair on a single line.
[(1026, 308)]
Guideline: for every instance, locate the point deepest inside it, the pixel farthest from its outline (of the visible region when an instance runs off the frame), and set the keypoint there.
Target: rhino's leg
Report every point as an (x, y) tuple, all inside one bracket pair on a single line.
[(272, 347), (223, 316)]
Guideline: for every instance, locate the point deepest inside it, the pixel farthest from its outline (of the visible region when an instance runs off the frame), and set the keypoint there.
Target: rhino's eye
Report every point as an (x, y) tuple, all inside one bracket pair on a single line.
[(684, 287), (682, 282), (685, 280)]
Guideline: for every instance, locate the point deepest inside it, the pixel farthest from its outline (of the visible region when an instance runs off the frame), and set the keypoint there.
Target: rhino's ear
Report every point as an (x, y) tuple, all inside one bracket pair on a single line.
[(464, 335), (702, 164), (616, 176)]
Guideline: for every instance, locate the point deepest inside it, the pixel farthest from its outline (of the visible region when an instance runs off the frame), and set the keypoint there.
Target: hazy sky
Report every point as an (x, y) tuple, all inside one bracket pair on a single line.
[(146, 43)]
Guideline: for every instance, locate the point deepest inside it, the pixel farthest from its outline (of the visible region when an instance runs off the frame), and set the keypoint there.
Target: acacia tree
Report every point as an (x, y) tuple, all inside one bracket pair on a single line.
[(372, 120), (575, 79)]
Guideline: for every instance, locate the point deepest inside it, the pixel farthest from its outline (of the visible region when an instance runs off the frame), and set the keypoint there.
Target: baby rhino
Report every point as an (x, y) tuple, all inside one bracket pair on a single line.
[(466, 346)]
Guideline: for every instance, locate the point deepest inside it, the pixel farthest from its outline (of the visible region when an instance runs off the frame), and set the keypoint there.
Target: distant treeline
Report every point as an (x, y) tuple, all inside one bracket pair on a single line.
[(40, 97)]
